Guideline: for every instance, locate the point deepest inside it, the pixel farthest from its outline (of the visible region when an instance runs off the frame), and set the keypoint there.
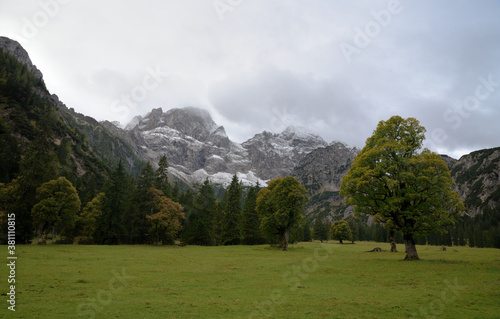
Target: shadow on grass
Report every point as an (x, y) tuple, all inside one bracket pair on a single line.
[(444, 261)]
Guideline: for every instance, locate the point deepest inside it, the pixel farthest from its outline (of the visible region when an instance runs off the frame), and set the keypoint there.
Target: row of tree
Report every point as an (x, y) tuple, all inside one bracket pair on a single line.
[(147, 209), (479, 231)]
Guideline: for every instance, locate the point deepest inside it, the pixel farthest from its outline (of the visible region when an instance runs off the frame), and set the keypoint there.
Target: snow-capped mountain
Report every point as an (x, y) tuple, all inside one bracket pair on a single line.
[(273, 155), (197, 148)]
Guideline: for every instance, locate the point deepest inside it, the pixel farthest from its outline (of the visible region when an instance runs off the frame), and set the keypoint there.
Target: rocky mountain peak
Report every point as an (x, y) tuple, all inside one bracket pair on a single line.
[(190, 121), (15, 49)]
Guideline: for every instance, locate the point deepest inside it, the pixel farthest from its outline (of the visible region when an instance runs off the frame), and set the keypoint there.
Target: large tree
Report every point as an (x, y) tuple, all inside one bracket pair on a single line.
[(280, 207), (398, 182), (57, 207)]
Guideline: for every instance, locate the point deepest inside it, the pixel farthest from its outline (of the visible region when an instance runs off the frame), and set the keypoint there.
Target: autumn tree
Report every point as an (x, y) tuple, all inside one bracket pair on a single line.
[(340, 231), (57, 206), (165, 218), (396, 181), (280, 207)]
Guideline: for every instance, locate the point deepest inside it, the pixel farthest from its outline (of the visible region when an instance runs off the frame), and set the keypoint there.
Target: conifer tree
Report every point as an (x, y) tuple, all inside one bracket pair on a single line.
[(161, 177), (250, 223), (320, 229), (230, 234), (200, 228), (110, 227), (136, 223)]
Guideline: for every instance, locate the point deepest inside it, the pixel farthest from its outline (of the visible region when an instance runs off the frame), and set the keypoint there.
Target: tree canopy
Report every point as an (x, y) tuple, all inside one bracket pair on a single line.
[(57, 207), (397, 181), (340, 231), (280, 207)]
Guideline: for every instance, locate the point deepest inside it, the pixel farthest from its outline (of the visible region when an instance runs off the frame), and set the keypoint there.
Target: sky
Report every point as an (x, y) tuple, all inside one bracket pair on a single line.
[(336, 67)]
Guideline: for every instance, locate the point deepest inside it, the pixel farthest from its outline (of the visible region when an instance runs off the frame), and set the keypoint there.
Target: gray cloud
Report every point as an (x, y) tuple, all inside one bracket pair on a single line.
[(269, 64)]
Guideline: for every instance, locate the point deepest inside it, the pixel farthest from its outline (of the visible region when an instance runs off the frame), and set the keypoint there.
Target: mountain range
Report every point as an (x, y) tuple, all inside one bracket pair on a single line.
[(198, 149)]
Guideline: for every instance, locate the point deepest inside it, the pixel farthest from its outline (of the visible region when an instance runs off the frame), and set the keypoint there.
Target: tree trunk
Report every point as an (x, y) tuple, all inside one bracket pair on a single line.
[(284, 240), (411, 250), (393, 242)]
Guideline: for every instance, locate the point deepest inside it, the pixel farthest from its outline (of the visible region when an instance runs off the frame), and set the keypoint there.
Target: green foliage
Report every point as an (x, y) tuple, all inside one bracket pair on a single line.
[(91, 213), (307, 232), (280, 207), (353, 223), (340, 231), (57, 206), (9, 154), (320, 229)]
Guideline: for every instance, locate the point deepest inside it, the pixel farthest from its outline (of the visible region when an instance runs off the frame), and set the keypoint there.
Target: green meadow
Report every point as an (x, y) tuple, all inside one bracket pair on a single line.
[(311, 280)]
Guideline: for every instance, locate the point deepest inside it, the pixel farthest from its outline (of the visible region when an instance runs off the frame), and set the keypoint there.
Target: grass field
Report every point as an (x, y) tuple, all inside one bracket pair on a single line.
[(311, 280)]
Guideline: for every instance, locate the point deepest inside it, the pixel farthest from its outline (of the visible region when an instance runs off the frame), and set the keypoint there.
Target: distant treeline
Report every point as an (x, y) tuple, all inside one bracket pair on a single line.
[(483, 230)]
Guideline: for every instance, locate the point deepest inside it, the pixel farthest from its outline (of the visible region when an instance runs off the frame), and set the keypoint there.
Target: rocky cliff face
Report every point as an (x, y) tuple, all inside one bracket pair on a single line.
[(273, 155), (477, 177), (323, 169), (15, 49), (321, 172)]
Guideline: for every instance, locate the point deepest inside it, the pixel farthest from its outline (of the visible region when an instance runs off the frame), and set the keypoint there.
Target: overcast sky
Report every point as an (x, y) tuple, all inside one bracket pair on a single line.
[(335, 67)]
